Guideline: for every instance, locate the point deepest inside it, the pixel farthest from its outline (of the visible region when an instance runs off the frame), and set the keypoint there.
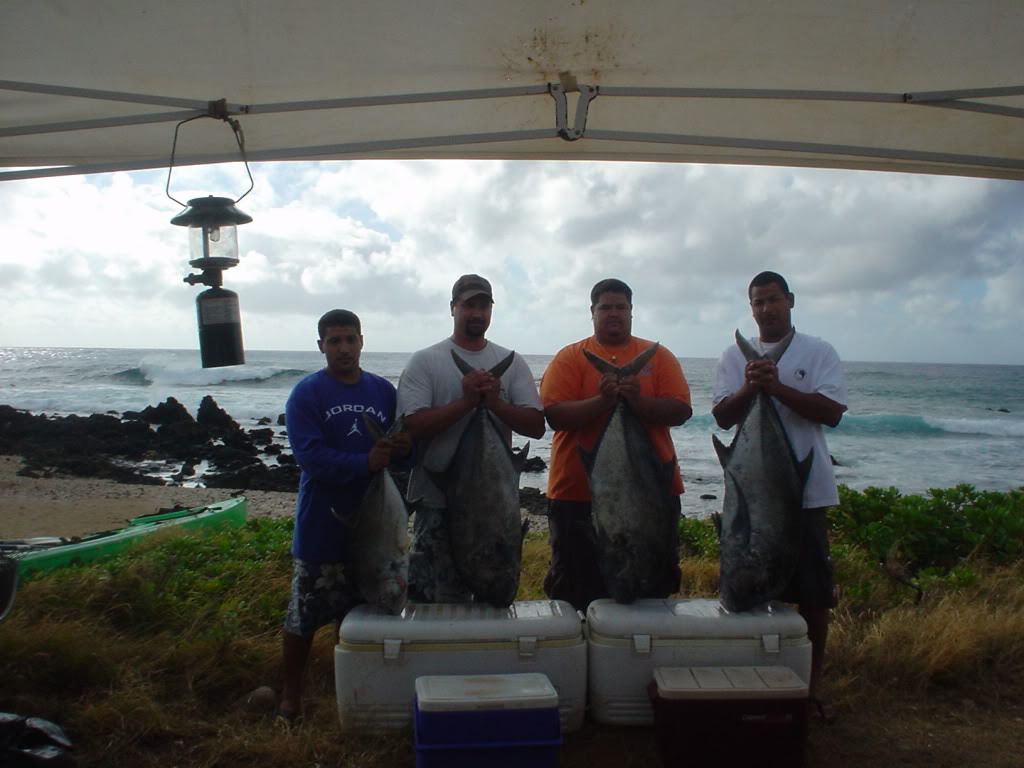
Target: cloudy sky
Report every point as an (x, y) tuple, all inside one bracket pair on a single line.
[(888, 267)]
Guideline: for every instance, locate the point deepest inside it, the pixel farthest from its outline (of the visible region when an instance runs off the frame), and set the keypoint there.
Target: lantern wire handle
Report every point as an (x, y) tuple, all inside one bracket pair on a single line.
[(236, 127)]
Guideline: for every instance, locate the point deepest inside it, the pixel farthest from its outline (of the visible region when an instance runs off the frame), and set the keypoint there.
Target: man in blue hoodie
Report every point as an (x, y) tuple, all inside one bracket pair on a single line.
[(324, 416)]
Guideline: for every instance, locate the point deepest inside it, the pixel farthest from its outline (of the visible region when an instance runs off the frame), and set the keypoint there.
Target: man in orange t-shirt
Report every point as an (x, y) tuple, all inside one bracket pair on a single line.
[(578, 401)]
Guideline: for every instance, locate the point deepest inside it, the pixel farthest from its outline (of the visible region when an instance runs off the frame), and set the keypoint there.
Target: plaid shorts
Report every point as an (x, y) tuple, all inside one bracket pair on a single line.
[(321, 594)]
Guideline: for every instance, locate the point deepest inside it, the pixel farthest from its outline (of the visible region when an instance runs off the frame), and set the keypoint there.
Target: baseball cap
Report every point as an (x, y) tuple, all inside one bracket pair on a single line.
[(468, 286)]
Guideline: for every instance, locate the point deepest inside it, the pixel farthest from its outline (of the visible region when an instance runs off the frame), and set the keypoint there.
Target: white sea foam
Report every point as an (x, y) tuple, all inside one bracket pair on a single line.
[(994, 427)]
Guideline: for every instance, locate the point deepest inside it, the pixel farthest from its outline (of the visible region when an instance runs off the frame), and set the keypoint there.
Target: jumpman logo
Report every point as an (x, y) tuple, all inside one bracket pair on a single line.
[(355, 428)]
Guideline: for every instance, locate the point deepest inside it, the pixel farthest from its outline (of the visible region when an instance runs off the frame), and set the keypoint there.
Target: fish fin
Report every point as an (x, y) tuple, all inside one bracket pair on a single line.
[(519, 458), (600, 363), (803, 468), (780, 349), (774, 355), (523, 529), (723, 451), (716, 520), (462, 364), (496, 371), (372, 427), (632, 367), (502, 366), (740, 527), (587, 458), (748, 351), (668, 471), (637, 364), (396, 426)]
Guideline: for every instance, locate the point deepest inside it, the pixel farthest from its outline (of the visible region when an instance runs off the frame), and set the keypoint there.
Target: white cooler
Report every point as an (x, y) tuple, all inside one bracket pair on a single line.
[(379, 656), (627, 642)]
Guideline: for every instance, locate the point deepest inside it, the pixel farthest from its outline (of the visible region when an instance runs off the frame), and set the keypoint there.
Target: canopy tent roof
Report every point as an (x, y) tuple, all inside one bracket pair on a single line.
[(930, 86)]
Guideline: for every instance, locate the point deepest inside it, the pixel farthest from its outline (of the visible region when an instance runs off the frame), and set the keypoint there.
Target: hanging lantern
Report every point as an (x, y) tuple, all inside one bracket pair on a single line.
[(213, 244)]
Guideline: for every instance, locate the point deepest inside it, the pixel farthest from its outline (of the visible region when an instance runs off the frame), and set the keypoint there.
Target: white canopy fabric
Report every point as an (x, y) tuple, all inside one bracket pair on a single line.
[(930, 86)]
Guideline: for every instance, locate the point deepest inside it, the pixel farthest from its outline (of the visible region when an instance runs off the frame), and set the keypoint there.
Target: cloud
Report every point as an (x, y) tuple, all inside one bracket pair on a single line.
[(885, 265)]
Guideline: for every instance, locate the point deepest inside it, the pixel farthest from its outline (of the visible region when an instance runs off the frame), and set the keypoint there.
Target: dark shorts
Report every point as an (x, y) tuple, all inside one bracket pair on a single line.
[(575, 573), (321, 594), (813, 582), (432, 574)]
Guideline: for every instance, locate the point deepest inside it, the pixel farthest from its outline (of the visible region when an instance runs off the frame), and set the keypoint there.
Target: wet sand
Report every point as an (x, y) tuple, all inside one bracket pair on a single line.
[(77, 506)]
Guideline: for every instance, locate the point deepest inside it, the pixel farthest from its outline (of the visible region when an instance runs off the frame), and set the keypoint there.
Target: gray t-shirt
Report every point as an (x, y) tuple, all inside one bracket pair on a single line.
[(430, 380)]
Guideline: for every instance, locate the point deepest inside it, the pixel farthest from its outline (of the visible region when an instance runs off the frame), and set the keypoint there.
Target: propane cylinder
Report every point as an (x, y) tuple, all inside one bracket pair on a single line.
[(220, 328)]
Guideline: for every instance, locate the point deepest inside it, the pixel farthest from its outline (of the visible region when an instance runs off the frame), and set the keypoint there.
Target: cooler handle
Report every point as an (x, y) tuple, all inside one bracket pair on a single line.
[(392, 649)]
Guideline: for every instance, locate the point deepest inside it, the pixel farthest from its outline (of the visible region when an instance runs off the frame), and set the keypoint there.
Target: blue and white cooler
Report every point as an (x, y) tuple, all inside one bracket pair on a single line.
[(467, 721)]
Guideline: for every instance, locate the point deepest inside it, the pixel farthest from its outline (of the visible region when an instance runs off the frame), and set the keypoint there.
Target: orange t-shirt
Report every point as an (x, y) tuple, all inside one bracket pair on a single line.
[(570, 376)]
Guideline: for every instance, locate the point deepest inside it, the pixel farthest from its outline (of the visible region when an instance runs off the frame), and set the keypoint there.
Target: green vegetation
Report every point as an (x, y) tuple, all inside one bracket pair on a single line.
[(143, 659)]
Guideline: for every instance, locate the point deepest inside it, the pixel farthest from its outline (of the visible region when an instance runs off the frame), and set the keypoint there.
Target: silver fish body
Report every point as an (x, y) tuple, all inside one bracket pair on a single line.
[(380, 541), (759, 528), (481, 484), (632, 508)]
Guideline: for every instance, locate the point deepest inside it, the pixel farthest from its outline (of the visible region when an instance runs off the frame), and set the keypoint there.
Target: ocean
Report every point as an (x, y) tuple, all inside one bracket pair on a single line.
[(914, 426)]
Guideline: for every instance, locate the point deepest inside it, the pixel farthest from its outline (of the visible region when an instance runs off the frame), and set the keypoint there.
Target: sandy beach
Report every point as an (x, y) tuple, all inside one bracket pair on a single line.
[(77, 506)]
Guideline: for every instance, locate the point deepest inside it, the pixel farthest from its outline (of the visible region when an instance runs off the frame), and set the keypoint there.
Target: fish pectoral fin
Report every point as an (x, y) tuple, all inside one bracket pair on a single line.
[(803, 468), (372, 427), (587, 458), (739, 527), (519, 458), (723, 451)]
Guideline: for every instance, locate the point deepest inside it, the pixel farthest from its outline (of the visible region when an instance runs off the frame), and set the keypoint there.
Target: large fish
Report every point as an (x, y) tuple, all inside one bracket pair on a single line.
[(759, 528), (633, 508), (380, 537), (482, 488)]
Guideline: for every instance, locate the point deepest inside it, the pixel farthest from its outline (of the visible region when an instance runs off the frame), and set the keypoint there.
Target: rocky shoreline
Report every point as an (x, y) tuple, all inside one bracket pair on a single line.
[(162, 455)]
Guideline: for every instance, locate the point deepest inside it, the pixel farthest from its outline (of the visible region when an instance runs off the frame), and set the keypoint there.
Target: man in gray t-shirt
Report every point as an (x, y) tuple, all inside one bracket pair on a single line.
[(437, 401)]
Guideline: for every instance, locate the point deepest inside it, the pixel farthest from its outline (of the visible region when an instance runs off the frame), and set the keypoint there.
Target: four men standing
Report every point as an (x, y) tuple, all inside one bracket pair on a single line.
[(437, 400)]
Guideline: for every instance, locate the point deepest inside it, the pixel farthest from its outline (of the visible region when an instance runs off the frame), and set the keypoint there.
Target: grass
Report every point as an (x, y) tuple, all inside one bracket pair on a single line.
[(143, 660)]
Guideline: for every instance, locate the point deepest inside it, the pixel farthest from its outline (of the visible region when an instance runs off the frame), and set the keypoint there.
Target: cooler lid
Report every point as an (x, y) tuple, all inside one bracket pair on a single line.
[(775, 682), (692, 618), (545, 620), (446, 693)]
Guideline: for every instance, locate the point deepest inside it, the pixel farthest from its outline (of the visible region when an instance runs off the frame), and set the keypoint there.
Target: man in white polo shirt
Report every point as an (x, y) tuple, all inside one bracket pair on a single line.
[(807, 389)]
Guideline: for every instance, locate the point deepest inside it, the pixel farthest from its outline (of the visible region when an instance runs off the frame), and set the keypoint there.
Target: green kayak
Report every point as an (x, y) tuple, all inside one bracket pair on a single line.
[(47, 553)]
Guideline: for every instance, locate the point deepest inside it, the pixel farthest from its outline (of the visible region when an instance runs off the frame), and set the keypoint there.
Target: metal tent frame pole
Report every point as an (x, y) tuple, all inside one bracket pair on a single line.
[(189, 108)]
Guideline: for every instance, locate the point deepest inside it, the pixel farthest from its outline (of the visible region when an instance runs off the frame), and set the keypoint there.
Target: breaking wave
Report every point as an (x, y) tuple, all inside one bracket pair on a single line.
[(902, 424), (165, 375)]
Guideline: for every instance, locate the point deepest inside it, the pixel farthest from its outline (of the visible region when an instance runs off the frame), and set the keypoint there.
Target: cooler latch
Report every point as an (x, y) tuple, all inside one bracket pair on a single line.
[(392, 649), (527, 647), (642, 644), (771, 643)]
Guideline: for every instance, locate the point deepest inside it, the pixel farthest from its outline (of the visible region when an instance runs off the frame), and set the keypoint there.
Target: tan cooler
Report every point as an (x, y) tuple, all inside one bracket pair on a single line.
[(378, 656)]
